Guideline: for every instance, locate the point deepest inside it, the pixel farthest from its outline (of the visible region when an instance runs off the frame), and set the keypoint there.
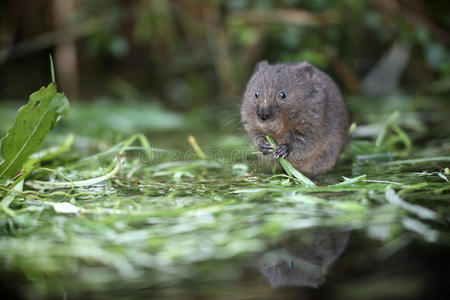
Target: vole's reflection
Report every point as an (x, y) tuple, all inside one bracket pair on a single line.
[(304, 259)]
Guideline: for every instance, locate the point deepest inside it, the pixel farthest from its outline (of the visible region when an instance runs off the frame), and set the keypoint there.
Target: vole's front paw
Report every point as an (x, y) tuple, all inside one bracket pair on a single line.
[(282, 151), (264, 146)]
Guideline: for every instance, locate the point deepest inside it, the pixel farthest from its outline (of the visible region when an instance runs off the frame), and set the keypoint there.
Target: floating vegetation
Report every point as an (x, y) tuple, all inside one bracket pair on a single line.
[(79, 223)]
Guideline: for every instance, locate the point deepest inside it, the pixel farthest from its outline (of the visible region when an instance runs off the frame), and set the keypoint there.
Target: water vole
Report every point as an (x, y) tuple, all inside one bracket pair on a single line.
[(302, 109)]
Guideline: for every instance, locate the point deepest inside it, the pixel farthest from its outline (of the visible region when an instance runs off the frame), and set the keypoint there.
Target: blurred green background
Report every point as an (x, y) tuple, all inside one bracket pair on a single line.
[(190, 54)]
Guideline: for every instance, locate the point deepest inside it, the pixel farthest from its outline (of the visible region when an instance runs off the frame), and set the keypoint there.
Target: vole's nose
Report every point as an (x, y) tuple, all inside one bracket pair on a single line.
[(263, 113)]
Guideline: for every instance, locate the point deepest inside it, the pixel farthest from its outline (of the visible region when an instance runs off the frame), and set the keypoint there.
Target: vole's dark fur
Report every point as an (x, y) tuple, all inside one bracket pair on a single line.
[(302, 109)]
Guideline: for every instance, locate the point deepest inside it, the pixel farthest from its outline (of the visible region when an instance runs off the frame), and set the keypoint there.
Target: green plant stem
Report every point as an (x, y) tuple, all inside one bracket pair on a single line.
[(290, 170), (37, 184)]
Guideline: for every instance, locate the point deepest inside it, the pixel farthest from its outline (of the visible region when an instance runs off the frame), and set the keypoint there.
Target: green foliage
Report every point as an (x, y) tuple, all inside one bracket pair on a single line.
[(346, 39), (157, 218), (290, 170), (33, 122)]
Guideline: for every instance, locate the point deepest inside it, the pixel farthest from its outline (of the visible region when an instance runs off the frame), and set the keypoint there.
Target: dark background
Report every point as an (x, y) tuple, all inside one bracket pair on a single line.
[(195, 53)]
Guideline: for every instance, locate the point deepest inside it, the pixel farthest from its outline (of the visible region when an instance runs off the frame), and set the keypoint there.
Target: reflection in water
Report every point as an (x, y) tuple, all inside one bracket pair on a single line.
[(303, 260)]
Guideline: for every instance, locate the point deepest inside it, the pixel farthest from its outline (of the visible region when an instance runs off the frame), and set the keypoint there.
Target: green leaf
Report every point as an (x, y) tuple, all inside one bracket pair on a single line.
[(350, 181), (33, 122), (290, 170)]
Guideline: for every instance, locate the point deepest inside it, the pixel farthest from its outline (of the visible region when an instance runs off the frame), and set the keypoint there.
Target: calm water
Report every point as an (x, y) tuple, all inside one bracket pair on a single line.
[(317, 264), (321, 263)]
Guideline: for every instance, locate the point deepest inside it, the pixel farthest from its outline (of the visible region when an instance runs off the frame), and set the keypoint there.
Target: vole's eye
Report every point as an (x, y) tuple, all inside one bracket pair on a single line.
[(256, 95), (281, 95)]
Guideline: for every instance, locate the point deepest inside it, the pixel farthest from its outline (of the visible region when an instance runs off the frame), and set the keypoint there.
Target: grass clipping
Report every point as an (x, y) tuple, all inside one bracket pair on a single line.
[(290, 170)]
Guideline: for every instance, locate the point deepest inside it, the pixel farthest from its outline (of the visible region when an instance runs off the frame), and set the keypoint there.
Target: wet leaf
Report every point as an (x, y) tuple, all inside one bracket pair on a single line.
[(33, 122)]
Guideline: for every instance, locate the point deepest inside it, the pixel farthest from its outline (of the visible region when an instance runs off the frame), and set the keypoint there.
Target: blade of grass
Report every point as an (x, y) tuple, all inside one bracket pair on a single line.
[(349, 181), (195, 146), (417, 160), (38, 184), (119, 148), (392, 118), (421, 228), (52, 69), (420, 211), (4, 204), (52, 152), (290, 170)]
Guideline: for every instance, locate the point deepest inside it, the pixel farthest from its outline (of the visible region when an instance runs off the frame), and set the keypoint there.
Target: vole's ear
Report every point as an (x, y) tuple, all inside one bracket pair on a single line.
[(261, 65), (305, 69)]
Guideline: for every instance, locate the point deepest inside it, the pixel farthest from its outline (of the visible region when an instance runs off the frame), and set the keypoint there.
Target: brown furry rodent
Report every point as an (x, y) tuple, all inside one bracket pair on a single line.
[(302, 109)]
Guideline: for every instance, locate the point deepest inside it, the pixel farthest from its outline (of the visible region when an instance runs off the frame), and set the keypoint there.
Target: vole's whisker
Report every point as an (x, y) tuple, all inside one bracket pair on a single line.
[(236, 125), (226, 124)]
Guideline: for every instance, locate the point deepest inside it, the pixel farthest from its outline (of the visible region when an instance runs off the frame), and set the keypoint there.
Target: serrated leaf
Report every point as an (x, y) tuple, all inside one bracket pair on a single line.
[(33, 122)]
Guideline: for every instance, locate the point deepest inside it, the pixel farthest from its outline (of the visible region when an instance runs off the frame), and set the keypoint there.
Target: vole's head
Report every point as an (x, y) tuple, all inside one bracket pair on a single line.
[(275, 90)]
